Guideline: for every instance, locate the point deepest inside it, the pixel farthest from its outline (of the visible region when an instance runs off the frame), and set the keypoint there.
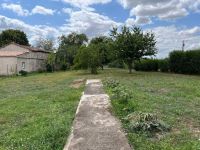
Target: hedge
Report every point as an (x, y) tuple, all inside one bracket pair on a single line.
[(185, 62), (163, 65), (146, 65)]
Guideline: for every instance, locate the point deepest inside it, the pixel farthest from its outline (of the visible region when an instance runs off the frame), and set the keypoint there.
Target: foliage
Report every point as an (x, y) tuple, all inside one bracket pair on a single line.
[(119, 92), (146, 122), (50, 64), (105, 49), (132, 44), (116, 64), (10, 35), (68, 48), (46, 44), (23, 73), (163, 65), (111, 83), (186, 62), (49, 68), (88, 58), (146, 65)]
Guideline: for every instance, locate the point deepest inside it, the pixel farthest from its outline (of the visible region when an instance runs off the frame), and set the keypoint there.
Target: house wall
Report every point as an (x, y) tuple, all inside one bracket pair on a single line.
[(34, 61), (8, 66)]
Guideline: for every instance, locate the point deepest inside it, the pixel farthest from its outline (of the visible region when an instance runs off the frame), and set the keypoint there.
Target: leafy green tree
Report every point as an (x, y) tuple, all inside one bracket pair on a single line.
[(104, 45), (10, 35), (68, 48), (88, 58), (46, 44), (131, 44), (50, 63)]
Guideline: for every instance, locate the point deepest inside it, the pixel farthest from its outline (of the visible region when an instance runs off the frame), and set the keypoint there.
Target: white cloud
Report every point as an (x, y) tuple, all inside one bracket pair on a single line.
[(33, 32), (16, 8), (170, 38), (171, 9), (67, 10), (85, 3), (138, 21), (42, 10), (88, 22)]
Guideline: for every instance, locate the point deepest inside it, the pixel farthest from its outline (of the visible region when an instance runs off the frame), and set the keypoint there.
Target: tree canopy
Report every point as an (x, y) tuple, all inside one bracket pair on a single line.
[(16, 36), (132, 44), (46, 44), (68, 48), (88, 58)]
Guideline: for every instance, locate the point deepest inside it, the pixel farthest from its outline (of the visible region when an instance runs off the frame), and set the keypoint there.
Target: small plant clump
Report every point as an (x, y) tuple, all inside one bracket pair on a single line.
[(119, 92), (23, 73), (146, 122)]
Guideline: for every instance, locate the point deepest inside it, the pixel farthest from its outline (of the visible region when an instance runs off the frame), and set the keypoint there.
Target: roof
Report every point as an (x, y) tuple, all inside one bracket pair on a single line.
[(33, 49), (11, 53)]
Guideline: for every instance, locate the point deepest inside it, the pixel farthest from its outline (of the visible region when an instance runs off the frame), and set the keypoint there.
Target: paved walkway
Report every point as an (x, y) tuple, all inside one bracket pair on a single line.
[(94, 127)]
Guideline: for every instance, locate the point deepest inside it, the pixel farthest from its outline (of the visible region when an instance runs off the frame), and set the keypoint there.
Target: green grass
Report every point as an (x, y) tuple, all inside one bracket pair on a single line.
[(174, 98), (36, 112)]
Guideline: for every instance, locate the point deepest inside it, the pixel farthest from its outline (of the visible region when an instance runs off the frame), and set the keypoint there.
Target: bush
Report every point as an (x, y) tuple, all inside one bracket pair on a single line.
[(146, 65), (116, 64), (163, 65), (146, 122), (119, 92), (187, 62), (65, 66), (23, 73), (49, 68)]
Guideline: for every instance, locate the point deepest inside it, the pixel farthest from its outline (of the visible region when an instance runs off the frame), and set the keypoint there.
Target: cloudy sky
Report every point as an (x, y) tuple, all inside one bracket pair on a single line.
[(171, 20)]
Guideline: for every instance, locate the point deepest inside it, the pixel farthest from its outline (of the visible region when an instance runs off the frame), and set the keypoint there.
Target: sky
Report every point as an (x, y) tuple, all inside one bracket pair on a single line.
[(172, 21)]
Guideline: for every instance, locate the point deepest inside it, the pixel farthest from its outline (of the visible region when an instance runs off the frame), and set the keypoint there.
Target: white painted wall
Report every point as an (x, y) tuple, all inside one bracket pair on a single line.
[(8, 66)]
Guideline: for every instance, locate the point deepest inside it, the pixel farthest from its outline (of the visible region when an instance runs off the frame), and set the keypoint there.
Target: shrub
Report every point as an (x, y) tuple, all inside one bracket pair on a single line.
[(49, 68), (116, 64), (187, 62), (146, 122), (65, 66), (146, 65), (119, 92), (163, 65), (23, 73), (110, 83)]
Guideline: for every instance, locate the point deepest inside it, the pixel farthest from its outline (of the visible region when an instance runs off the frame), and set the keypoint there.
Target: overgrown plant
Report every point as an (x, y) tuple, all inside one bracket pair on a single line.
[(146, 122), (119, 92)]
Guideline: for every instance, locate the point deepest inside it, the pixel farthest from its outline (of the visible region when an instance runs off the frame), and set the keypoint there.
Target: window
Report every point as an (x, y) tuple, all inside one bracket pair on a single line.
[(23, 65)]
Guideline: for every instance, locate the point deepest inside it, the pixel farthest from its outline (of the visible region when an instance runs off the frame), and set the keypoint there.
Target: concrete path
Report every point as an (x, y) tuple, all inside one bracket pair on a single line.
[(95, 128)]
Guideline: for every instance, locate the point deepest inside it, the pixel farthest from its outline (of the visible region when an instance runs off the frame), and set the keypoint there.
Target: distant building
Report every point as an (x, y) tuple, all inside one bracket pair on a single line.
[(14, 58)]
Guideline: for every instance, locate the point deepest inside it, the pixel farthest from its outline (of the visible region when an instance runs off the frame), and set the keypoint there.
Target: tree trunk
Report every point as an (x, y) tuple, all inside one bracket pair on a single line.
[(130, 66), (94, 70)]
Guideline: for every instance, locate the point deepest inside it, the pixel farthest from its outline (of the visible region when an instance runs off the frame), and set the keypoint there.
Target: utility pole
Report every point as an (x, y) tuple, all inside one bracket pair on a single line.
[(183, 46)]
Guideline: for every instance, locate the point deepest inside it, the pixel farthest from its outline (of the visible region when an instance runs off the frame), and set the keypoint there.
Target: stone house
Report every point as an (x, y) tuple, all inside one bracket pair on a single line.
[(15, 57)]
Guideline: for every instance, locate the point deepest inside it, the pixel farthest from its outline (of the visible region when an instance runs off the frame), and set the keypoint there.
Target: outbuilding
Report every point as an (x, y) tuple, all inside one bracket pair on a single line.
[(15, 57)]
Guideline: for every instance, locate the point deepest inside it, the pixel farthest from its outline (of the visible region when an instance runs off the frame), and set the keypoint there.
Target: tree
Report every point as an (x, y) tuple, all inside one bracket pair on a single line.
[(17, 36), (46, 44), (104, 45), (131, 44), (88, 58), (68, 48), (50, 63)]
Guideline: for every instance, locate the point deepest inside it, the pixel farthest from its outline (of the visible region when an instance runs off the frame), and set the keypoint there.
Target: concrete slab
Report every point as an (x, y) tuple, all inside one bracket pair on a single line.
[(95, 128)]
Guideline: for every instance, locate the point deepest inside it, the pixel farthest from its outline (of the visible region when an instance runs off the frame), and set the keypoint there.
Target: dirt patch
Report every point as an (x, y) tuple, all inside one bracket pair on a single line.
[(77, 83)]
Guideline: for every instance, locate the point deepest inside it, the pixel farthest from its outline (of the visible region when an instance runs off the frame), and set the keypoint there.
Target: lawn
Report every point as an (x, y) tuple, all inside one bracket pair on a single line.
[(36, 112), (175, 99)]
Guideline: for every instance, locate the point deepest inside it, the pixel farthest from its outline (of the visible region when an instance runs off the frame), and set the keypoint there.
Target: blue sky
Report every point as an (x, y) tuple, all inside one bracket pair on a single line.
[(172, 21)]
